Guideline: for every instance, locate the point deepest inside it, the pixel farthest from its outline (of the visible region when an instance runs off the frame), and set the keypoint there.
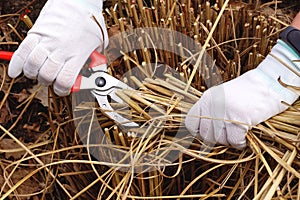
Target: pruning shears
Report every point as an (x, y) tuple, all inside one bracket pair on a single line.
[(102, 85), (96, 79)]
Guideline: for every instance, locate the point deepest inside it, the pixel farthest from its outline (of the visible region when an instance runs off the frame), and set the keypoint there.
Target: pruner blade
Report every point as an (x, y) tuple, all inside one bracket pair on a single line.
[(106, 86), (105, 105)]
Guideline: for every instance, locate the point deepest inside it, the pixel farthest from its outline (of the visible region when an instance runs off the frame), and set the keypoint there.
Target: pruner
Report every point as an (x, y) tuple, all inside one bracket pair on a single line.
[(102, 85)]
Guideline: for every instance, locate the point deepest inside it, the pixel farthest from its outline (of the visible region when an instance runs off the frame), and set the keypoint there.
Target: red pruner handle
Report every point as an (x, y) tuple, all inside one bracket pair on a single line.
[(97, 59), (6, 55), (94, 60), (77, 84)]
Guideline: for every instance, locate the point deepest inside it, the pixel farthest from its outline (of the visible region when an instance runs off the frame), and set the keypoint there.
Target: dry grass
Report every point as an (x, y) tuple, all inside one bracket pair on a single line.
[(139, 163)]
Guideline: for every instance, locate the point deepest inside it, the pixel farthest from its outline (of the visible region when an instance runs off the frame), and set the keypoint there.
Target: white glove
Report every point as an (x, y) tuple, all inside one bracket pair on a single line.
[(55, 49), (249, 99)]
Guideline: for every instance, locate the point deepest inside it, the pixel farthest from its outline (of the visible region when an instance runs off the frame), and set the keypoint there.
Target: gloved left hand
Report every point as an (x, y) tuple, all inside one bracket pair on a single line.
[(226, 112), (64, 35)]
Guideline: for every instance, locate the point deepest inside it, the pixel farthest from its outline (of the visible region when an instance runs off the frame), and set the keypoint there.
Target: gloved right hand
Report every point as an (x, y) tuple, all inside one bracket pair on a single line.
[(64, 35)]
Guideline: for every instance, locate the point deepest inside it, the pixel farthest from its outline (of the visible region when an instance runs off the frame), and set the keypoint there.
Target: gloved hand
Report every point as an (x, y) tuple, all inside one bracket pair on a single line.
[(248, 100), (55, 49)]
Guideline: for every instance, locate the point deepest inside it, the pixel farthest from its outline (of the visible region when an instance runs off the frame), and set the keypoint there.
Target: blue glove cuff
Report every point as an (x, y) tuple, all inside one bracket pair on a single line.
[(294, 58), (285, 64), (272, 68)]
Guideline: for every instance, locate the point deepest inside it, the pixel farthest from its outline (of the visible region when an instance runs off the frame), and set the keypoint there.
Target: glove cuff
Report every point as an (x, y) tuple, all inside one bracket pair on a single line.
[(292, 57), (273, 68)]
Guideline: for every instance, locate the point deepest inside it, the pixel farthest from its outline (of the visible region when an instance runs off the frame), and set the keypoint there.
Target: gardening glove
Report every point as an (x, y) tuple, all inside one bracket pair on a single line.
[(226, 112), (55, 49)]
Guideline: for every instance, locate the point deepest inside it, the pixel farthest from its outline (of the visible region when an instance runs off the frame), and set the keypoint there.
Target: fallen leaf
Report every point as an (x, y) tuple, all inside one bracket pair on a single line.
[(4, 115), (42, 95), (5, 29), (30, 186), (21, 96), (34, 127), (8, 146)]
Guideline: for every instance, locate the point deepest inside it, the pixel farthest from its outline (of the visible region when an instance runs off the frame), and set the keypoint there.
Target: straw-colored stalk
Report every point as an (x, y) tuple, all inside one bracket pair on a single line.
[(267, 169)]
